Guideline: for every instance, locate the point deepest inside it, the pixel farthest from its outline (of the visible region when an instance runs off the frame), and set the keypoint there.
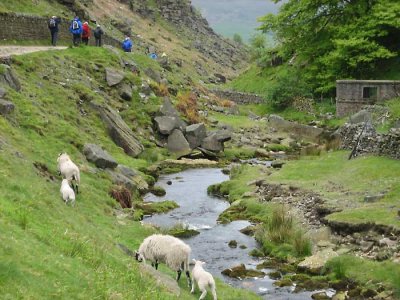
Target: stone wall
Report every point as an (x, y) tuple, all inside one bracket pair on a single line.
[(370, 141), (33, 28), (239, 97), (351, 95)]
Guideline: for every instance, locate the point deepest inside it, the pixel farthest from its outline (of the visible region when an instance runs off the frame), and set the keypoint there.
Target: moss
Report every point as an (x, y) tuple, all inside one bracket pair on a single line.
[(149, 208), (158, 191)]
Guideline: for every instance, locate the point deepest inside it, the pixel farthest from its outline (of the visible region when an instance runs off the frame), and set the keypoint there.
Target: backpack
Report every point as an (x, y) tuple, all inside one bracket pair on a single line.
[(75, 25), (52, 23), (98, 32)]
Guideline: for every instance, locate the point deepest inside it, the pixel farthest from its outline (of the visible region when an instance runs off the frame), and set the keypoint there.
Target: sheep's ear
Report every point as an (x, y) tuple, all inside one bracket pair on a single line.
[(194, 260), (202, 263)]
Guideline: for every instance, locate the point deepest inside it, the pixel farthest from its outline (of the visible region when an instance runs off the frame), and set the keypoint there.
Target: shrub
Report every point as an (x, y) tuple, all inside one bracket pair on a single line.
[(187, 105), (301, 244), (122, 195)]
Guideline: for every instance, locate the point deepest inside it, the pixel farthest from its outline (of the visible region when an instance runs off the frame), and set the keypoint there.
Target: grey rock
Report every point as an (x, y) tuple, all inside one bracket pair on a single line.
[(9, 78), (3, 92), (277, 164), (177, 143), (118, 130), (167, 109), (211, 143), (125, 92), (366, 246), (153, 74), (361, 117), (126, 171), (120, 179), (195, 134), (373, 198), (145, 88), (6, 107), (113, 77), (223, 135), (165, 125), (99, 157)]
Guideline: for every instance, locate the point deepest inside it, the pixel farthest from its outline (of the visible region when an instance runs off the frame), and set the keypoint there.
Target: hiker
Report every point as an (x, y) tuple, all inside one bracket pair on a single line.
[(153, 56), (85, 33), (98, 32), (127, 45), (53, 26), (76, 30)]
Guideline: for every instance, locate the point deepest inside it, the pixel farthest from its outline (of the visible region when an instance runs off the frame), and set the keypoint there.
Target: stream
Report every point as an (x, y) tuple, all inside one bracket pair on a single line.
[(200, 211)]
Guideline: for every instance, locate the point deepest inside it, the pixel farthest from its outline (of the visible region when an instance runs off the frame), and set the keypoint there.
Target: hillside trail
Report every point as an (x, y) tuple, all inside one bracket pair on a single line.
[(18, 50)]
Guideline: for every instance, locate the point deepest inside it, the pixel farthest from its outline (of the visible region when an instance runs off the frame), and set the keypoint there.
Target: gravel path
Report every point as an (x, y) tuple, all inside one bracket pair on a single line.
[(17, 50)]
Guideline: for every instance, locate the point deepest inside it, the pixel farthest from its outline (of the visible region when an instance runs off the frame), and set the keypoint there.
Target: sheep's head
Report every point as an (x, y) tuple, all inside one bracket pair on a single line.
[(63, 157), (198, 262), (138, 256)]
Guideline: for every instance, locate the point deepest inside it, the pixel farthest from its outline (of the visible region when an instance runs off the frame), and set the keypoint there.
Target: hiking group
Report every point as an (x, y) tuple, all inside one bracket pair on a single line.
[(81, 33)]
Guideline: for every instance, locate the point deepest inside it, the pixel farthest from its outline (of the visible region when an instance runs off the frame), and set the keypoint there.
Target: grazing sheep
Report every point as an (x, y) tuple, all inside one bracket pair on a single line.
[(68, 170), (67, 192), (203, 279), (166, 249)]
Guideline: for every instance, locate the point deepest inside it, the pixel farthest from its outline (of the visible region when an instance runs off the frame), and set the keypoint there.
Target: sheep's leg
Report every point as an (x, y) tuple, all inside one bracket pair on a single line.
[(193, 287), (214, 293), (189, 281), (156, 265), (203, 294), (179, 275)]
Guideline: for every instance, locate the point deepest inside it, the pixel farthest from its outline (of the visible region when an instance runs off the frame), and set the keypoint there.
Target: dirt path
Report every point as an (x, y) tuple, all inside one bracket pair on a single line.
[(17, 50)]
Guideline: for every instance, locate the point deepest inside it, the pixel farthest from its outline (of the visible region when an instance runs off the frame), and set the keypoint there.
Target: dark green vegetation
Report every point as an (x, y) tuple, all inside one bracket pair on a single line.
[(49, 250)]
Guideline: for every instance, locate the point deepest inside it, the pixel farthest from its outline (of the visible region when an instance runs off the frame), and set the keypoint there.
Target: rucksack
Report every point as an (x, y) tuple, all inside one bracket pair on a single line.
[(52, 23), (75, 25), (98, 32)]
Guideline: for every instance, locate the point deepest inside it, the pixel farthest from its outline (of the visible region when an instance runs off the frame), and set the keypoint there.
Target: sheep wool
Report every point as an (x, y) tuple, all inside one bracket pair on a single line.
[(67, 192), (203, 279), (166, 249), (68, 169)]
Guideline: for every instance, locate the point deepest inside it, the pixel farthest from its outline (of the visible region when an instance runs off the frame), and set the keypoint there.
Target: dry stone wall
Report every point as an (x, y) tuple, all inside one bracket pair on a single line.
[(34, 28), (239, 97)]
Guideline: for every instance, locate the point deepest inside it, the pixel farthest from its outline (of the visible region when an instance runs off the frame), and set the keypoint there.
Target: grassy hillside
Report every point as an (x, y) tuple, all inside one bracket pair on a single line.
[(49, 250)]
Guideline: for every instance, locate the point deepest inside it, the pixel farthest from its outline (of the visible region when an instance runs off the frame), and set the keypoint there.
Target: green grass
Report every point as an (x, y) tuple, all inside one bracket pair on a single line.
[(368, 175), (50, 250), (370, 273), (45, 8)]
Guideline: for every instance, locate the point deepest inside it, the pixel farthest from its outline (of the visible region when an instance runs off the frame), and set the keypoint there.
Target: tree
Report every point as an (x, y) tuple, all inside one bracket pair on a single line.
[(335, 39), (238, 38)]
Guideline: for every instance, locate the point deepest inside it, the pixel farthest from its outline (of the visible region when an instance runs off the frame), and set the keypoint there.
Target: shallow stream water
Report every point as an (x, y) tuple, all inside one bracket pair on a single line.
[(200, 211)]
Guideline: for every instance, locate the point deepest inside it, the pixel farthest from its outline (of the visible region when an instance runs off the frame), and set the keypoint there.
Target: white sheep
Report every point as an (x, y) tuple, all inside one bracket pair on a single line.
[(67, 192), (68, 170), (167, 249), (203, 279)]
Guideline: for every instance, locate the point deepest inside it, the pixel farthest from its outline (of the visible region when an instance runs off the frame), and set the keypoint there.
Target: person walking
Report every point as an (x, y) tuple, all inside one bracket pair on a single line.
[(85, 33), (127, 45), (76, 30), (98, 33), (53, 27)]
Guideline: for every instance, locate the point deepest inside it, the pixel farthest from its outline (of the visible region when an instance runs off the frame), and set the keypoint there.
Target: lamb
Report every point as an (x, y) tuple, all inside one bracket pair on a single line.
[(67, 192), (166, 249), (203, 279), (68, 170)]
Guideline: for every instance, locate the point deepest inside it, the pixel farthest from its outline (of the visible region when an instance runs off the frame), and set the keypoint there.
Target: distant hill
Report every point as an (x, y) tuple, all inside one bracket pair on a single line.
[(228, 17)]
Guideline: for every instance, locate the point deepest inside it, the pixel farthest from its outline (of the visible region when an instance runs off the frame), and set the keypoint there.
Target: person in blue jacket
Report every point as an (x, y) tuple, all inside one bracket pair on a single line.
[(76, 30), (127, 45)]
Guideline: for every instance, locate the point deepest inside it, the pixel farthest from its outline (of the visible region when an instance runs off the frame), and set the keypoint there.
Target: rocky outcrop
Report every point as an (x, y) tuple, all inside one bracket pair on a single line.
[(9, 78), (165, 125), (239, 97), (178, 144), (315, 263), (99, 157), (118, 130), (6, 107), (195, 134), (241, 272), (113, 77)]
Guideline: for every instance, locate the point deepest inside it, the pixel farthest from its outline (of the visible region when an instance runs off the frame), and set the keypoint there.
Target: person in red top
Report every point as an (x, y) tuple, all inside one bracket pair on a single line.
[(85, 33)]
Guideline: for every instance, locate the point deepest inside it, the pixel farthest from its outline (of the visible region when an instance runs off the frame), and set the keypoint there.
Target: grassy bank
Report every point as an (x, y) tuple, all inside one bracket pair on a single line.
[(49, 250)]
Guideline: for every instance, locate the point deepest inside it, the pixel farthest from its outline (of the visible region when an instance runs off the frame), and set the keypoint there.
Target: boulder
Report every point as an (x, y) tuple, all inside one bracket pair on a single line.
[(167, 109), (153, 74), (211, 143), (361, 117), (113, 77), (120, 179), (6, 107), (134, 177), (315, 263), (145, 88), (126, 171), (300, 131), (165, 125), (223, 135), (99, 157), (118, 130), (9, 78), (3, 92), (125, 92), (195, 134), (240, 271), (177, 143)]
